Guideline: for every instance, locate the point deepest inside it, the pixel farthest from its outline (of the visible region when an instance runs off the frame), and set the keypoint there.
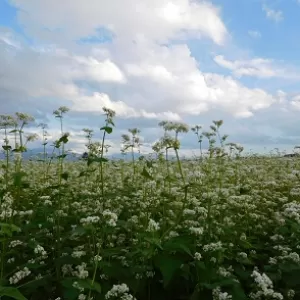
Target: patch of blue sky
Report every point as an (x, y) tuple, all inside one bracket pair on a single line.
[(102, 36), (279, 40), (8, 19)]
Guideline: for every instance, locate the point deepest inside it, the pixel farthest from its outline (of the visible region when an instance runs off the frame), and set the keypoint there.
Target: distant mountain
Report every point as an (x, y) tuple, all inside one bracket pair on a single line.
[(37, 153)]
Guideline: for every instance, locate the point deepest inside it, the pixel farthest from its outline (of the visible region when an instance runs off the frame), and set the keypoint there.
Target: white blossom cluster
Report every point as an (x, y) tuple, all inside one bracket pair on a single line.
[(18, 276), (119, 291), (111, 218), (265, 287)]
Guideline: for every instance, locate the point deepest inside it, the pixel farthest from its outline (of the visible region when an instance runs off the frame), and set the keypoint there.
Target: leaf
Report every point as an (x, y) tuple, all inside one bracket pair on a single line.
[(146, 174), (20, 149), (149, 164), (12, 293), (96, 159), (179, 244), (18, 178), (64, 139), (8, 229), (107, 129), (154, 241), (65, 175), (167, 266), (6, 147), (88, 284)]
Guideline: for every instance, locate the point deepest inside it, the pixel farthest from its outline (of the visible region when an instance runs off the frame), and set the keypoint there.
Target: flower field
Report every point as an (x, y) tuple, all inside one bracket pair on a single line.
[(220, 226)]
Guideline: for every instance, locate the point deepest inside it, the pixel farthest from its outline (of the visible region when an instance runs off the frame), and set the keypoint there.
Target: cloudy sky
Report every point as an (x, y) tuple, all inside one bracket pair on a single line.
[(183, 60)]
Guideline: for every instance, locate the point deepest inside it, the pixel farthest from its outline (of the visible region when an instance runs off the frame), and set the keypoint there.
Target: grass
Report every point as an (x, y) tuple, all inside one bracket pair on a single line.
[(215, 227)]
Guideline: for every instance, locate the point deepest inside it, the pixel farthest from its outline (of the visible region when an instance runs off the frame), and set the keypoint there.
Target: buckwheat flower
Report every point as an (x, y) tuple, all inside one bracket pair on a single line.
[(39, 276), (78, 254), (48, 203), (18, 276), (213, 246), (40, 250), (10, 260), (152, 226), (111, 223), (273, 261), (291, 294), (15, 243), (173, 234), (77, 286), (265, 286), (294, 257), (243, 255), (90, 220), (97, 258), (111, 216), (150, 274), (243, 237), (219, 295), (197, 256), (139, 276), (223, 272), (189, 212), (197, 230), (117, 291), (213, 260), (81, 272)]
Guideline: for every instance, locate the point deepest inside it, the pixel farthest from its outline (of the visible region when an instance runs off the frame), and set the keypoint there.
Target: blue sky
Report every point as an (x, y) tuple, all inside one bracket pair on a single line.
[(182, 60)]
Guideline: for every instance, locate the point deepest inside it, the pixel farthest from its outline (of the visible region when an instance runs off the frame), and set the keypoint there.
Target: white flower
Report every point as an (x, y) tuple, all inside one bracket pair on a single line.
[(197, 230), (81, 297), (119, 290), (19, 276), (197, 256), (152, 226)]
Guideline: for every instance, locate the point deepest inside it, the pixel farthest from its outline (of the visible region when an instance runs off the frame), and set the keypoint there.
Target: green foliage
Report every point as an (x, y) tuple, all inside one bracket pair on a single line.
[(164, 228), (11, 293)]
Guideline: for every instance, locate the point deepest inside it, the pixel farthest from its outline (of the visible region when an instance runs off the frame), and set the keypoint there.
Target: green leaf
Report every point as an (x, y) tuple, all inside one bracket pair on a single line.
[(107, 129), (82, 173), (8, 229), (64, 139), (96, 159), (149, 164), (88, 284), (168, 266), (154, 241), (179, 244), (6, 147), (18, 178), (20, 149), (146, 174), (11, 292), (65, 175)]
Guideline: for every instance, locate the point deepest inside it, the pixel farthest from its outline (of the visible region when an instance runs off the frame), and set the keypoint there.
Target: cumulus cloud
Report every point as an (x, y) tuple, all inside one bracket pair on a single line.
[(274, 15), (159, 20), (254, 34), (139, 71), (256, 67)]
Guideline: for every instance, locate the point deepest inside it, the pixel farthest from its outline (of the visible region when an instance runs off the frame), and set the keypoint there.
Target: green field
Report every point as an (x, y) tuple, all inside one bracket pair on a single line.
[(220, 226)]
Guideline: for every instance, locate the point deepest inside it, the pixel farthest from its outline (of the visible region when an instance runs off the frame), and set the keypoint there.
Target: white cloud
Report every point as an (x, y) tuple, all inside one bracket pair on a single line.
[(256, 67), (140, 73), (93, 69), (274, 15), (254, 34), (95, 102), (159, 20)]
